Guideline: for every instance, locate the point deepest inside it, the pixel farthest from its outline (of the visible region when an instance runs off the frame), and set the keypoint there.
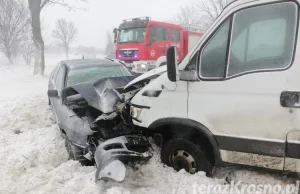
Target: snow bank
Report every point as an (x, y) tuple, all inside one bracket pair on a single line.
[(34, 159)]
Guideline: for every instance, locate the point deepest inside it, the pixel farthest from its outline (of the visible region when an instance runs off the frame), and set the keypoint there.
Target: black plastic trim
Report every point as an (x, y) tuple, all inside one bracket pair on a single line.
[(253, 146), (293, 150), (136, 120), (140, 106)]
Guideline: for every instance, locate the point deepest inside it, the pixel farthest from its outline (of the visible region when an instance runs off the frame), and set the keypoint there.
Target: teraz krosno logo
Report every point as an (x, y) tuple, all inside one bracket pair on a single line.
[(240, 188)]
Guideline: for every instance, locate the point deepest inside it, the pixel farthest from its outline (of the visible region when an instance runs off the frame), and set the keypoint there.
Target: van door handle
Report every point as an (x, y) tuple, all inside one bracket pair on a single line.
[(290, 99)]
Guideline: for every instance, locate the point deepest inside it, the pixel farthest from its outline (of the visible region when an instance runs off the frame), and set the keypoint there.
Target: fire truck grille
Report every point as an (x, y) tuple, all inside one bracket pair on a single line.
[(127, 53)]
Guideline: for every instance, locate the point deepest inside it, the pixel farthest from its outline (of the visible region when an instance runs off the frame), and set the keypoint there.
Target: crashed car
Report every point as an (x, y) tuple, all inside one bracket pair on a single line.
[(93, 113)]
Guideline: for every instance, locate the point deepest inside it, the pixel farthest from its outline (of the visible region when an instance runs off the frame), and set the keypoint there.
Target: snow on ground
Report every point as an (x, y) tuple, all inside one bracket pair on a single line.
[(34, 159)]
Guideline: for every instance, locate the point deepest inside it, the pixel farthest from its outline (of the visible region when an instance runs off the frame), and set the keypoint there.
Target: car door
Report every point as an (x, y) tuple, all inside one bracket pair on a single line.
[(243, 67), (159, 40), (59, 85), (53, 77)]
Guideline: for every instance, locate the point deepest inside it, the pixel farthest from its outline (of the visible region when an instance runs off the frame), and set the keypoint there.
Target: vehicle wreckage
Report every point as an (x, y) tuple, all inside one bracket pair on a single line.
[(219, 105), (103, 131)]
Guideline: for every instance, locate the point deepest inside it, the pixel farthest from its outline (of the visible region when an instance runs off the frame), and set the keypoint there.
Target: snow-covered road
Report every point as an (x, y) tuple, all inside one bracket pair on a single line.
[(33, 158)]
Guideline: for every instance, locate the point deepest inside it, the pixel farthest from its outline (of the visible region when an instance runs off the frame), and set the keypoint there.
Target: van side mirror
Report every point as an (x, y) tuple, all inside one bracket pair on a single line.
[(53, 93), (172, 67), (115, 31)]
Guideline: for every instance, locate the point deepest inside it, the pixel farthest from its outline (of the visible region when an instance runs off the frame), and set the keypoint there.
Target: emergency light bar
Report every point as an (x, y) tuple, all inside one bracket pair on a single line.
[(146, 18)]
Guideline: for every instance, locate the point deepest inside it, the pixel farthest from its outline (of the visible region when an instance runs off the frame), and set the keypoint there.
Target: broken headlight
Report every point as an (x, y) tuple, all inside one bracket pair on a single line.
[(135, 112)]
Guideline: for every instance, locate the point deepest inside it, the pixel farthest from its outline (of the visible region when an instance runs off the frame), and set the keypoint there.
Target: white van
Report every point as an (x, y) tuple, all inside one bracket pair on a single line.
[(235, 97)]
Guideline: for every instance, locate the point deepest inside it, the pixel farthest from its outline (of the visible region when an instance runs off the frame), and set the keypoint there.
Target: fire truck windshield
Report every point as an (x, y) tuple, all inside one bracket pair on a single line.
[(132, 35)]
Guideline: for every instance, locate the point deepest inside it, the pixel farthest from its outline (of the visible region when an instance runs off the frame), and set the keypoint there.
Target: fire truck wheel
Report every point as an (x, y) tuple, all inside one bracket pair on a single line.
[(180, 154)]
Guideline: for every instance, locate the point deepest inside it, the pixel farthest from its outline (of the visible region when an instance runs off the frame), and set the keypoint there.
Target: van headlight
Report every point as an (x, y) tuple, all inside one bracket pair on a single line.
[(135, 112)]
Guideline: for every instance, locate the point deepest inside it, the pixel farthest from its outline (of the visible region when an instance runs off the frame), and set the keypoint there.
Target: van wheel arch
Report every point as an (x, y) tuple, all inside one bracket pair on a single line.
[(168, 128)]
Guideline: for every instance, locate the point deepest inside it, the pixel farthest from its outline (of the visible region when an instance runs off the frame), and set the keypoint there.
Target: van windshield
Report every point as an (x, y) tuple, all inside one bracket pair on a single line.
[(132, 35)]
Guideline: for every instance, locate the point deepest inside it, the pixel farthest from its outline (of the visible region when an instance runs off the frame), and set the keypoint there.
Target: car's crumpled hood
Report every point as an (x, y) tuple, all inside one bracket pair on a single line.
[(101, 93), (148, 75)]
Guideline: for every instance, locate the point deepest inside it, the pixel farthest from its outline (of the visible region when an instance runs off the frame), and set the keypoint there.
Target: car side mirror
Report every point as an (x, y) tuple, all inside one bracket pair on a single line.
[(172, 67), (53, 93)]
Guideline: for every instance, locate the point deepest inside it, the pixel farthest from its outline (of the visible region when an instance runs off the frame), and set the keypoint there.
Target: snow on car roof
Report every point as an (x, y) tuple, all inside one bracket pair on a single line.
[(86, 63)]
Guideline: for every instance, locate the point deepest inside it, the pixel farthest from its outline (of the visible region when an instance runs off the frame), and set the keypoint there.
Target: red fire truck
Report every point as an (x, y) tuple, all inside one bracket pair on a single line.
[(143, 43)]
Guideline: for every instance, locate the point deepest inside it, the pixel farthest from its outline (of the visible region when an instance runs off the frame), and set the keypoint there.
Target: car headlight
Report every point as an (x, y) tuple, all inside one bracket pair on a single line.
[(143, 66), (135, 112)]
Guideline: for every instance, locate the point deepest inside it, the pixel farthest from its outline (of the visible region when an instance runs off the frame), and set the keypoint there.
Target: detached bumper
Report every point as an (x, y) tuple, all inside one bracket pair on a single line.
[(111, 155)]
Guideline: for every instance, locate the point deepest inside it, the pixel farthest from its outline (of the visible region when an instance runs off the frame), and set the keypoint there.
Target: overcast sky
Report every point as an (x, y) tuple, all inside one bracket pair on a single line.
[(103, 15)]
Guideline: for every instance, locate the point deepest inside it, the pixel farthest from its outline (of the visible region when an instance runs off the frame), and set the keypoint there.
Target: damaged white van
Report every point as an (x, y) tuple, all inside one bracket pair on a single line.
[(235, 96)]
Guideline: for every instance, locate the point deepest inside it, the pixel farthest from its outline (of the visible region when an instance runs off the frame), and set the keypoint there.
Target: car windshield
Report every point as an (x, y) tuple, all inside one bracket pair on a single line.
[(132, 35), (92, 74)]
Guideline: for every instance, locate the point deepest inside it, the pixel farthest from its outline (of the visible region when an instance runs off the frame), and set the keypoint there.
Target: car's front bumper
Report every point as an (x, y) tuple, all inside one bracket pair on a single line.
[(111, 155)]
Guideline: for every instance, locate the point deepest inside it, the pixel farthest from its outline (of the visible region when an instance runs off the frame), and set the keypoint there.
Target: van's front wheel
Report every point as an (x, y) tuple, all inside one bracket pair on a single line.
[(180, 154)]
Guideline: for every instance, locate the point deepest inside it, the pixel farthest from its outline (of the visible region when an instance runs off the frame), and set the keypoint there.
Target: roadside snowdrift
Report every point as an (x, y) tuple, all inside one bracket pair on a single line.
[(34, 159)]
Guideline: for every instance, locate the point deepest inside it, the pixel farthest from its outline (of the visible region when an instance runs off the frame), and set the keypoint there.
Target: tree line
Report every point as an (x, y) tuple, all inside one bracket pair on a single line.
[(201, 12), (21, 31)]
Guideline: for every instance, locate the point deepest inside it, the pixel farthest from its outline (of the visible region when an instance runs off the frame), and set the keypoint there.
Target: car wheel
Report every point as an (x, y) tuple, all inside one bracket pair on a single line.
[(76, 153), (180, 154)]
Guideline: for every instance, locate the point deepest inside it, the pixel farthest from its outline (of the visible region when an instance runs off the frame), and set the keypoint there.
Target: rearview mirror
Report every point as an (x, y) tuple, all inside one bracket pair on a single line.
[(115, 31), (53, 93), (172, 68)]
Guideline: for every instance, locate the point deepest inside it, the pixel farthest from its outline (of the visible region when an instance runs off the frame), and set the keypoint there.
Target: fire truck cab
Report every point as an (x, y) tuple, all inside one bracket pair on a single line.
[(143, 43)]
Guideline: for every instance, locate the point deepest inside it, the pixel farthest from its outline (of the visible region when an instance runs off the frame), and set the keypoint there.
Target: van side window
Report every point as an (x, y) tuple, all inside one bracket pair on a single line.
[(158, 33), (263, 38), (193, 62), (175, 35), (213, 56)]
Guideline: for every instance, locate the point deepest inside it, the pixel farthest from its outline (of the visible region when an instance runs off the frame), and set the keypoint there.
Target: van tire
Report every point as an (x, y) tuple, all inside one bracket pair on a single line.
[(181, 153)]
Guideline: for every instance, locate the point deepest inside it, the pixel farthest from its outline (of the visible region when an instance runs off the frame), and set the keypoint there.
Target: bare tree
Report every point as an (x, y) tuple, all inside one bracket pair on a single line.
[(14, 20), (210, 9), (64, 34), (110, 47), (35, 7), (187, 15), (27, 48)]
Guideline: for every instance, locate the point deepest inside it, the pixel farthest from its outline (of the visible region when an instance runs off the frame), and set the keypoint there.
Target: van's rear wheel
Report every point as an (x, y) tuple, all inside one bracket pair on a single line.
[(180, 154)]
